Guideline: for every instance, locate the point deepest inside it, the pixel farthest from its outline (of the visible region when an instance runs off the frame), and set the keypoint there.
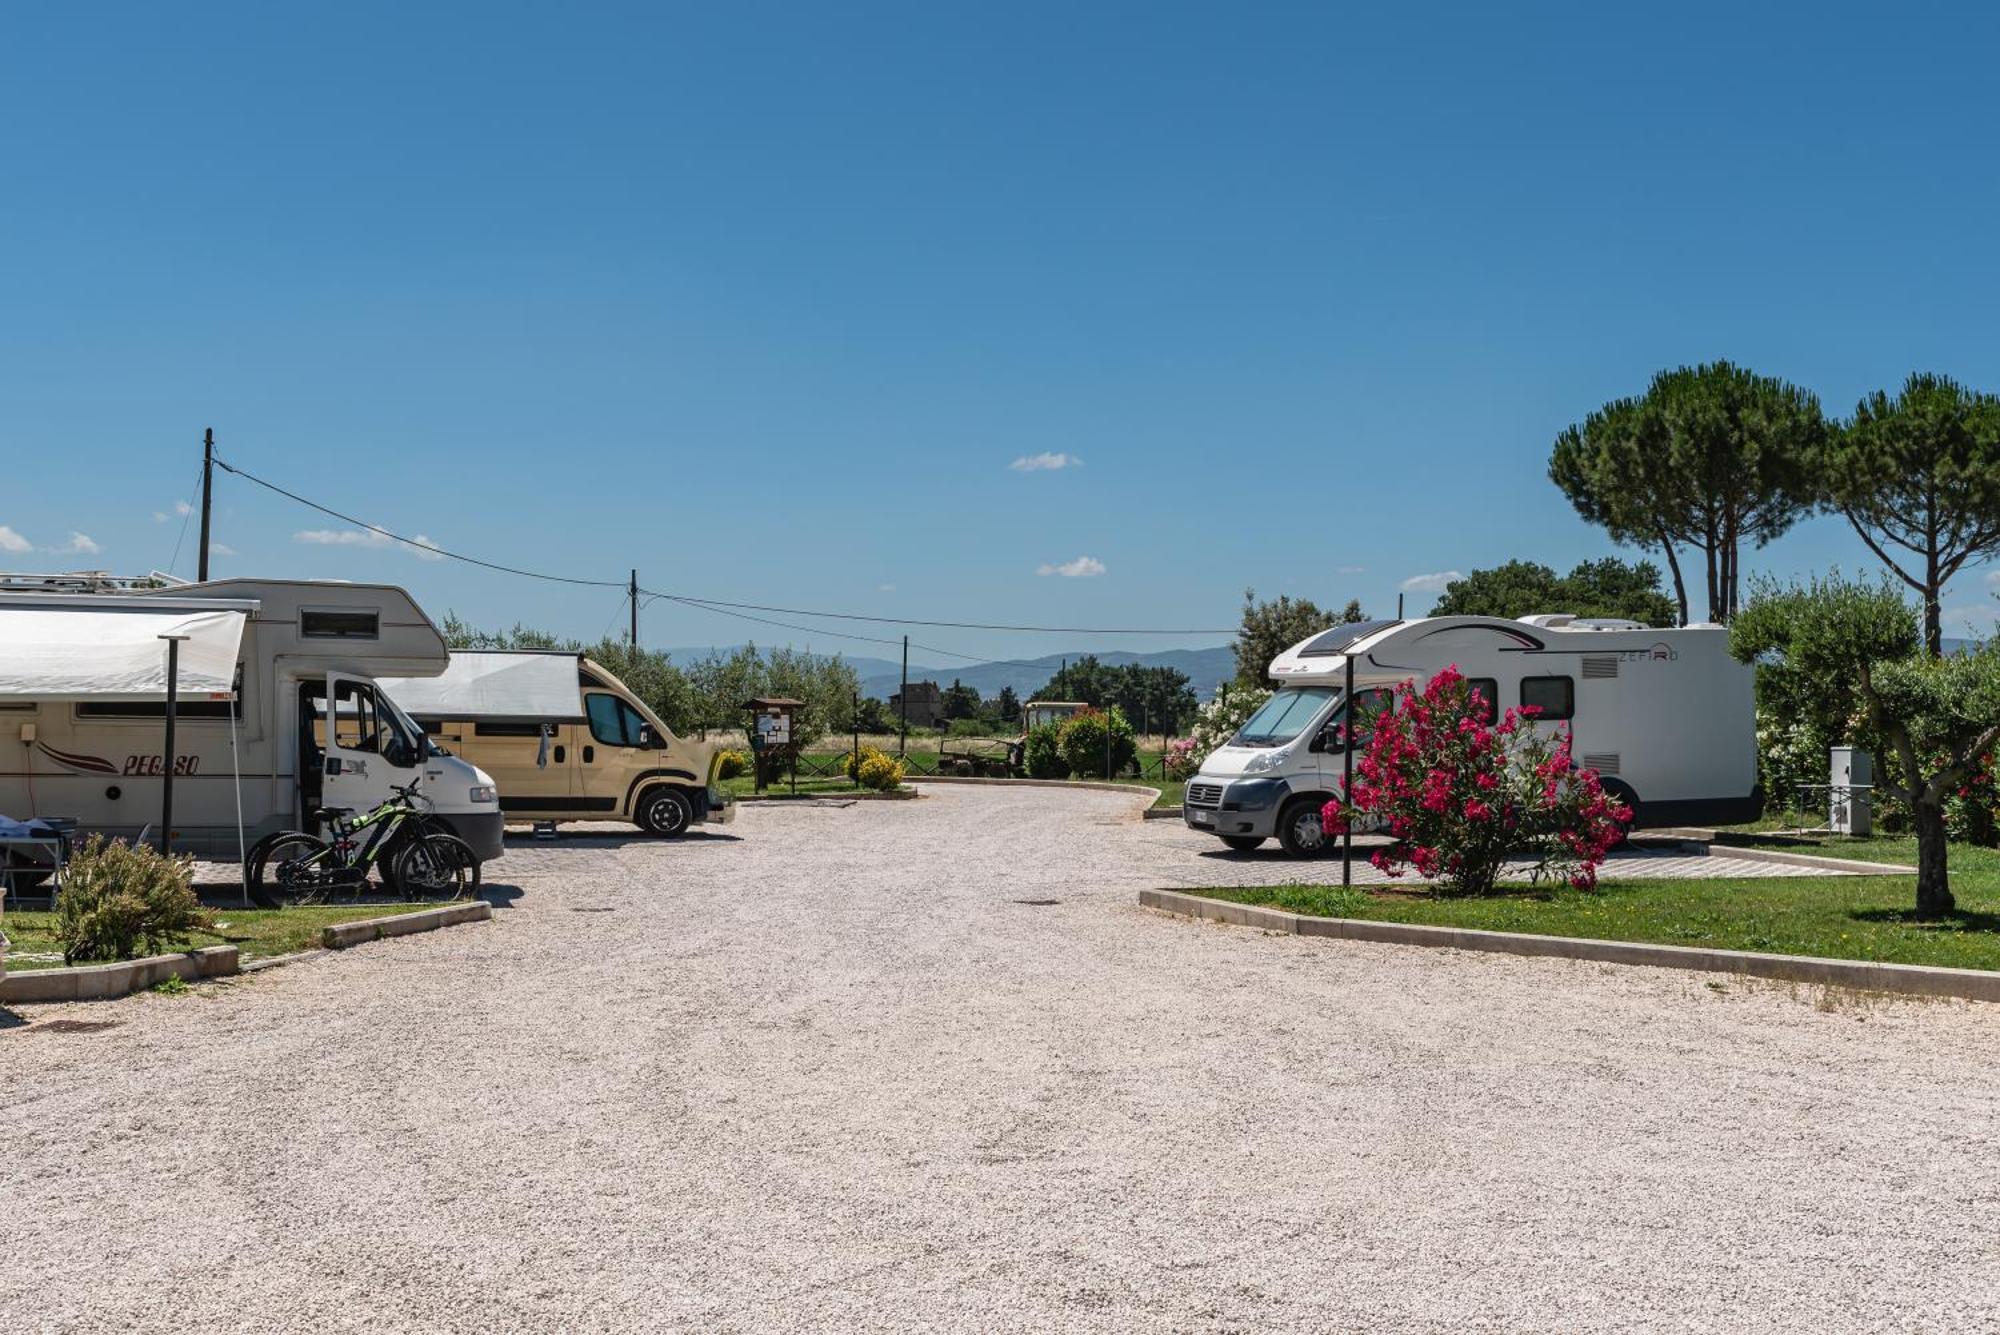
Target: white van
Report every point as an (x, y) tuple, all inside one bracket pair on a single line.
[(309, 654), (568, 741), (1666, 717)]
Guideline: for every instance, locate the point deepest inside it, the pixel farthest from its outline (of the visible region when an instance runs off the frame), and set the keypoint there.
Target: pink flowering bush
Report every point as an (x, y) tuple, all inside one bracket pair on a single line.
[(1460, 796), (1182, 759)]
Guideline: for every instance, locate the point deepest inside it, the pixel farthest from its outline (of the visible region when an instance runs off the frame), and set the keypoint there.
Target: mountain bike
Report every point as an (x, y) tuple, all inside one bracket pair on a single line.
[(419, 858)]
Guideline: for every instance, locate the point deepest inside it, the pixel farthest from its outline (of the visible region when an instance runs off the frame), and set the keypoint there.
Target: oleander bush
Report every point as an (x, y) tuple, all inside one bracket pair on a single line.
[(1460, 797), (124, 901), (1098, 743), (1043, 753)]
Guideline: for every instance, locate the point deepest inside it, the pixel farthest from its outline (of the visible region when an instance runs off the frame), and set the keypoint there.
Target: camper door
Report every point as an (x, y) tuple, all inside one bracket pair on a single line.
[(366, 746)]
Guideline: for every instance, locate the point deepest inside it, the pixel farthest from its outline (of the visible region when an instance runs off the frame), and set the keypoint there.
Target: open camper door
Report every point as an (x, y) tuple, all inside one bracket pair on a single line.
[(354, 773)]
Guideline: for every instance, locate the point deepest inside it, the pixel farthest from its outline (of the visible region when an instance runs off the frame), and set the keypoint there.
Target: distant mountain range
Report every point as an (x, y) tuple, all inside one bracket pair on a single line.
[(882, 677)]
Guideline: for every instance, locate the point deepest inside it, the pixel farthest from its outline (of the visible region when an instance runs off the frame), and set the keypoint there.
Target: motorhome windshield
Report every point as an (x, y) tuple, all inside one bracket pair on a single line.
[(1284, 716)]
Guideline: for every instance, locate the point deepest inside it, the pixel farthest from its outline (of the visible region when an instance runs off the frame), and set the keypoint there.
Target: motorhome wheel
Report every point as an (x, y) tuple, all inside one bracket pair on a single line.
[(1300, 828), (665, 812)]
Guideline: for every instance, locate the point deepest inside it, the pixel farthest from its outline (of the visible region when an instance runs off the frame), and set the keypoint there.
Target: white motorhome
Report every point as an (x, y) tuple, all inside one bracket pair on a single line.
[(1665, 717), (311, 727)]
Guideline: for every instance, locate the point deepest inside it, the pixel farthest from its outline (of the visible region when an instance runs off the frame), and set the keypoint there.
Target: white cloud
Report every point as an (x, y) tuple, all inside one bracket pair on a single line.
[(364, 537), (1082, 567), (1351, 570), (890, 588), (79, 544), (224, 549), (10, 541), (183, 508), (1044, 462), (1432, 583)]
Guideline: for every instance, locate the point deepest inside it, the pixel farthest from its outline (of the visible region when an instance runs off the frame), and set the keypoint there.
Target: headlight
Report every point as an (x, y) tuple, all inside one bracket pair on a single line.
[(1270, 760), (482, 793)]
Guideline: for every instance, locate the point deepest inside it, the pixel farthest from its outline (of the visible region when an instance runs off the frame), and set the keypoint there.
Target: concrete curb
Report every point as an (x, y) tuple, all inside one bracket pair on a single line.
[(1852, 866), (1165, 813), (92, 982), (342, 935), (863, 795), (1914, 979)]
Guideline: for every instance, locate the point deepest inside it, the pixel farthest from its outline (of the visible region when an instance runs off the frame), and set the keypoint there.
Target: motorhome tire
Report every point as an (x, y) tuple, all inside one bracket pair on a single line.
[(1300, 830), (1622, 792), (665, 812), (1243, 843)]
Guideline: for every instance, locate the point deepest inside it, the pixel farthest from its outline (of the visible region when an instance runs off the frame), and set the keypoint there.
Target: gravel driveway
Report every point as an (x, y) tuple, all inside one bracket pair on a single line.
[(830, 1071)]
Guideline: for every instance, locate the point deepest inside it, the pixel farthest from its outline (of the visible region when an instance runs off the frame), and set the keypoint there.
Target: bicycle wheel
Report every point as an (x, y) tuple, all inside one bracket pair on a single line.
[(435, 866), (291, 867)]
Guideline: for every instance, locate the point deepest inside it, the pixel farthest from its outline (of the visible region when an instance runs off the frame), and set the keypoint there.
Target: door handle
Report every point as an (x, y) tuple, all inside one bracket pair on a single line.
[(559, 755), (589, 754)]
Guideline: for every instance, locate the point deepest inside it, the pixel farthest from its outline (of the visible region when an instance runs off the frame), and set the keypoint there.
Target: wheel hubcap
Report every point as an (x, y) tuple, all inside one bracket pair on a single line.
[(1308, 831)]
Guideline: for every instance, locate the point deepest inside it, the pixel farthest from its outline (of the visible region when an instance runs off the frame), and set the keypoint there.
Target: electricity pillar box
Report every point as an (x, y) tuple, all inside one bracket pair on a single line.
[(1850, 790)]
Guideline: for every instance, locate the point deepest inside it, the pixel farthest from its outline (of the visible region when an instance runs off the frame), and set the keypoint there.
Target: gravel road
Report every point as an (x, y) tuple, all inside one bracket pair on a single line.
[(838, 1069)]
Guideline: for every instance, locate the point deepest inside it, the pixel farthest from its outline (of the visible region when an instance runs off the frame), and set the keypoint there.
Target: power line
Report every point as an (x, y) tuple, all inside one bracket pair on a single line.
[(713, 604)]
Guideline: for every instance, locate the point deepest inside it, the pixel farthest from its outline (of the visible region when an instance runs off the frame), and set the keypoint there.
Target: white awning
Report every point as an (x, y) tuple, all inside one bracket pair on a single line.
[(97, 647), (496, 685)]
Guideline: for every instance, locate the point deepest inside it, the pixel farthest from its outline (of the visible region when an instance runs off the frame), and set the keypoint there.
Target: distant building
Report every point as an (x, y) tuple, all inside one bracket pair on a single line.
[(926, 705)]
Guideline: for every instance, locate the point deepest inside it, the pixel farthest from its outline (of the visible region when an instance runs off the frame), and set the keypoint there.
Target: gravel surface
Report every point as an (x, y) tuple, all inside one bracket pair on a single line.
[(829, 1071)]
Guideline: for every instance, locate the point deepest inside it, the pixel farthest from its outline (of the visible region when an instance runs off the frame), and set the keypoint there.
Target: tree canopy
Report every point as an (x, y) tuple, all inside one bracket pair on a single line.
[(1155, 698), (1846, 649), (1710, 456), (1918, 476), (1604, 588), (1275, 625)]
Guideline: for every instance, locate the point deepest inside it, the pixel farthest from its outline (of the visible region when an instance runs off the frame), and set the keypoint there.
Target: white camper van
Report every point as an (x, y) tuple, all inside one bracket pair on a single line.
[(311, 727), (1665, 717)]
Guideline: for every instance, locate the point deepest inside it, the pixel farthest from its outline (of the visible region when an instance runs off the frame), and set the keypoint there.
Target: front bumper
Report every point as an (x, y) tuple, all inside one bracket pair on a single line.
[(1244, 807), (717, 810), (485, 831)]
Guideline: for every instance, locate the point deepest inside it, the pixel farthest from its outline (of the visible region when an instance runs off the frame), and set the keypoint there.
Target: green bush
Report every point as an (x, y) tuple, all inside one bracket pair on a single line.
[(970, 727), (1044, 755), (1084, 743), (880, 772), (731, 765), (123, 901)]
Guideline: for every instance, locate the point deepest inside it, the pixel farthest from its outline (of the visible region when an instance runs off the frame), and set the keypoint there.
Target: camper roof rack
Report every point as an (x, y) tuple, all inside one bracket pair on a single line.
[(84, 581)]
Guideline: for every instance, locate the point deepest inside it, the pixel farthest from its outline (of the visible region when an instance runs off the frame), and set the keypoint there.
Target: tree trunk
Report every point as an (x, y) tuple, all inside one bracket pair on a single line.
[(1934, 899), (1714, 580), (1933, 620), (1680, 584)]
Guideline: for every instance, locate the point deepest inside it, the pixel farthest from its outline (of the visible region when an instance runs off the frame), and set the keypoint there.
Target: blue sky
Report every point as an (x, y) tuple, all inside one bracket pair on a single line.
[(766, 300)]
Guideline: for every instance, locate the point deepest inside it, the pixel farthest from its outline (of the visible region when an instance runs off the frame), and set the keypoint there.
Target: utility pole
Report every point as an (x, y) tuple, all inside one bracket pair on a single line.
[(633, 589), (903, 747), (207, 489)]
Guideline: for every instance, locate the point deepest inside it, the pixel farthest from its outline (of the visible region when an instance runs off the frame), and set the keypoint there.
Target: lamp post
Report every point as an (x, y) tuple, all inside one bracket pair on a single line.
[(167, 770)]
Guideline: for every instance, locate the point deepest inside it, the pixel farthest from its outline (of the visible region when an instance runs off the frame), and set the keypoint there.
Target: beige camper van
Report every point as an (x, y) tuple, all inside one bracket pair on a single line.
[(565, 740)]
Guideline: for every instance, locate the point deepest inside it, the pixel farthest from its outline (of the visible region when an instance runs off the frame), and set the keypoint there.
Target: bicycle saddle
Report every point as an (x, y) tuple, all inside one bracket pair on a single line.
[(331, 813)]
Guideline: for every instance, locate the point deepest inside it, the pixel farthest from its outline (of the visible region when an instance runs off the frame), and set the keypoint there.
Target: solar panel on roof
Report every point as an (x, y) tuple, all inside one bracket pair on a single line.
[(1339, 639)]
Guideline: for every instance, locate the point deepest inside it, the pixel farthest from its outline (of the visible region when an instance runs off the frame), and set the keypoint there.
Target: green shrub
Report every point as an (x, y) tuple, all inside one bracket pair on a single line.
[(880, 772), (123, 901), (731, 765), (970, 727), (1044, 755), (1084, 743)]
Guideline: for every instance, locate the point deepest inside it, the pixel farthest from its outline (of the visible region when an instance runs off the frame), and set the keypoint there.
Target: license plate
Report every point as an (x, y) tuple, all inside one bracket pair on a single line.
[(1201, 818)]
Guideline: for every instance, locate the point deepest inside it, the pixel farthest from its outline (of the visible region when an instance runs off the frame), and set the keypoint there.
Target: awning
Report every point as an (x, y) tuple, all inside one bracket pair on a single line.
[(99, 647), (496, 685)]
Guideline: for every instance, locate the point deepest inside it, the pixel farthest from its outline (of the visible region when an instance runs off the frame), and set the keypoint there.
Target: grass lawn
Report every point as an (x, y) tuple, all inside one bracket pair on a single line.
[(256, 933), (1862, 917)]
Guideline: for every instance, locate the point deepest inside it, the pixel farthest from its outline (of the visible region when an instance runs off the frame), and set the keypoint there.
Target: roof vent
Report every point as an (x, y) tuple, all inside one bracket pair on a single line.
[(1549, 620)]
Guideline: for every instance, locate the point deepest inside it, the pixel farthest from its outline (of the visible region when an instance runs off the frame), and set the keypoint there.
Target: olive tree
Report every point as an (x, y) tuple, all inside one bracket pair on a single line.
[(1919, 474), (1852, 648)]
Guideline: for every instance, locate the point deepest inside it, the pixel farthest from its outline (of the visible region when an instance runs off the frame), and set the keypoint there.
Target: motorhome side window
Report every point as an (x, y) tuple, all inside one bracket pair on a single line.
[(1554, 696), (1488, 690), (340, 623), (1368, 707), (613, 722)]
